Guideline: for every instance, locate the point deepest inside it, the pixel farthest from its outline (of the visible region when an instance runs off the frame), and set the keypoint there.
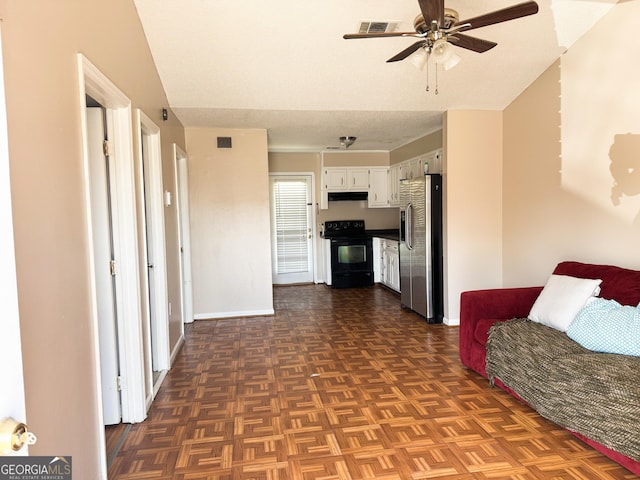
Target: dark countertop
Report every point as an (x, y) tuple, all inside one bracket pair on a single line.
[(390, 234)]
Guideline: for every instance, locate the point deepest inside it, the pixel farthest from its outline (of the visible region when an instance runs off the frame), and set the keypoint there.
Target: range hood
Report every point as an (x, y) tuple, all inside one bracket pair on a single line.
[(344, 196)]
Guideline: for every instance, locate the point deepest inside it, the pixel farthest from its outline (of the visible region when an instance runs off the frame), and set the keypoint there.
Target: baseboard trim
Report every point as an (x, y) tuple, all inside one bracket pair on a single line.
[(176, 349), (451, 322), (248, 313)]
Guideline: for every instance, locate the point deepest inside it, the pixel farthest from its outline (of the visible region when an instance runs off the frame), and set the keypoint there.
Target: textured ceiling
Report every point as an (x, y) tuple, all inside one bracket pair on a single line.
[(283, 65)]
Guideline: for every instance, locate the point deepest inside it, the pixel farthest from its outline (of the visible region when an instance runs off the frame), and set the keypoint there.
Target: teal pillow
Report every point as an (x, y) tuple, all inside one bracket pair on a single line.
[(608, 327)]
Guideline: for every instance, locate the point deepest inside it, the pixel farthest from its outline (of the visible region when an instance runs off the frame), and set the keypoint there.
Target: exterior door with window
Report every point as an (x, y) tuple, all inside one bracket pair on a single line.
[(292, 228)]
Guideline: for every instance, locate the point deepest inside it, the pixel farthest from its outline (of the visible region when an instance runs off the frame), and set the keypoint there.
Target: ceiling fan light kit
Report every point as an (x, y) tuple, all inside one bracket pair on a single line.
[(438, 28), (419, 58), (444, 55)]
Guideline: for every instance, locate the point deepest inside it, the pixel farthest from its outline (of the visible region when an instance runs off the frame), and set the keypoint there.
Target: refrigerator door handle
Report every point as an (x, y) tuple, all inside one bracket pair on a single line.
[(408, 226)]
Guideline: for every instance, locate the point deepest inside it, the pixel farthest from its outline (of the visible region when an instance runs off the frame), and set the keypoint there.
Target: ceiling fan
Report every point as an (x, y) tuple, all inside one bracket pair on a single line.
[(438, 27)]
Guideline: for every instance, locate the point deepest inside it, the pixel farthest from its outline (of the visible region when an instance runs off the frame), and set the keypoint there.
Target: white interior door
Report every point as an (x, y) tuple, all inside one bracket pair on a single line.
[(292, 228), (182, 194), (150, 165), (99, 177), (11, 373)]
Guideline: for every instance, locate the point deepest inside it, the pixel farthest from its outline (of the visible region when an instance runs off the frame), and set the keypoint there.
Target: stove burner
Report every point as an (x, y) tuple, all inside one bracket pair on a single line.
[(343, 228)]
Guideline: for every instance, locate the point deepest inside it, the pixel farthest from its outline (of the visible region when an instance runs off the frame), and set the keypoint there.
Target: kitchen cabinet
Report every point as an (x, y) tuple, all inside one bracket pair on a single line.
[(378, 187), (412, 168), (339, 179), (389, 263), (394, 185), (358, 179), (376, 243), (335, 179)]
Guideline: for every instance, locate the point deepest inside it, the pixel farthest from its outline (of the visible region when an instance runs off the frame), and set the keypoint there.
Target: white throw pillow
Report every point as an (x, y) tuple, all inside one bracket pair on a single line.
[(561, 299)]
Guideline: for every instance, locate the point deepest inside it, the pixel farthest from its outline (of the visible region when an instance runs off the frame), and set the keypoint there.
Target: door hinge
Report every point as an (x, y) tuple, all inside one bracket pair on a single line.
[(119, 383), (112, 267), (105, 147)]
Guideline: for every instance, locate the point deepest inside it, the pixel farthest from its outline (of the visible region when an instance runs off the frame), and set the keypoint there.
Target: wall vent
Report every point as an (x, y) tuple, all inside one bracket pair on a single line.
[(224, 142), (377, 27)]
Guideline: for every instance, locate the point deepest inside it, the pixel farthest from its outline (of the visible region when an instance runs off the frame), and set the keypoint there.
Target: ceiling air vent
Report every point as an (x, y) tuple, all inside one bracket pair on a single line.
[(377, 27)]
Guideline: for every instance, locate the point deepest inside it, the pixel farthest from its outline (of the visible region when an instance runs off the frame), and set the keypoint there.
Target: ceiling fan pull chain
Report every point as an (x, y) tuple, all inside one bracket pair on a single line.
[(436, 78), (427, 89)]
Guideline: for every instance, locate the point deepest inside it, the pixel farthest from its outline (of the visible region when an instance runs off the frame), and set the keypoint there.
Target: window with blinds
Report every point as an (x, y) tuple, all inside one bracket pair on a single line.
[(291, 224)]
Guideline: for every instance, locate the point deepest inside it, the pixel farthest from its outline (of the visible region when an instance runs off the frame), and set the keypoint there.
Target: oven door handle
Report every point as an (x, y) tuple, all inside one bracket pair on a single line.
[(408, 226)]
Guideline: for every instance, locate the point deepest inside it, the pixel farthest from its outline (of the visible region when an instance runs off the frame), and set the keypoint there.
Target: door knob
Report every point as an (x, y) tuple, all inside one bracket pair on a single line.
[(14, 435)]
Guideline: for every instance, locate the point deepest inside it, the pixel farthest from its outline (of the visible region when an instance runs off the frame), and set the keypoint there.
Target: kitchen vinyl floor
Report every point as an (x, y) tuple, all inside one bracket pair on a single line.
[(340, 384)]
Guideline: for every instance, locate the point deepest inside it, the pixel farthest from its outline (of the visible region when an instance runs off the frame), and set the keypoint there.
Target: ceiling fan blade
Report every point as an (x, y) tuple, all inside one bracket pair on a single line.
[(470, 43), (348, 36), (406, 52), (503, 15), (432, 10)]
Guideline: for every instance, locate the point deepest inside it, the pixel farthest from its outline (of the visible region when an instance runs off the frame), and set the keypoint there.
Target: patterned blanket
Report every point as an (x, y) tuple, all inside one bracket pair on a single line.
[(594, 394)]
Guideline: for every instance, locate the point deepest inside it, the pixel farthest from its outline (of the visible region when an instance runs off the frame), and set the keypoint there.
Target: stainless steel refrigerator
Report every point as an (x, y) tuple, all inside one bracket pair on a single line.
[(421, 288)]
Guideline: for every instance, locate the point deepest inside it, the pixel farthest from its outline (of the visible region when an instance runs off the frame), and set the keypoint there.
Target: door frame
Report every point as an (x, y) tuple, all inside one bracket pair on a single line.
[(147, 148), (94, 83), (312, 219), (181, 175), (11, 369)]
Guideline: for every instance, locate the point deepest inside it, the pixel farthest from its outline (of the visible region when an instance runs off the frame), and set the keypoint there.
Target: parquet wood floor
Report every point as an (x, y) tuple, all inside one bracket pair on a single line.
[(341, 384)]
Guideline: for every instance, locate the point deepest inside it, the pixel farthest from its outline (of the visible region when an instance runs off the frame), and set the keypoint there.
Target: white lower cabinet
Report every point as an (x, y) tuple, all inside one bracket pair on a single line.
[(388, 261)]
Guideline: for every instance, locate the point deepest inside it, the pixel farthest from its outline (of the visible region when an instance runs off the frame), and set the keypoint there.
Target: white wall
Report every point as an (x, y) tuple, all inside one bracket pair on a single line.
[(230, 232)]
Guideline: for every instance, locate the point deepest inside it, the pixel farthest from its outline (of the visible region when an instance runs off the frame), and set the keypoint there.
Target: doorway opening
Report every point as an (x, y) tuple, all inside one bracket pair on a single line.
[(184, 237), (154, 284)]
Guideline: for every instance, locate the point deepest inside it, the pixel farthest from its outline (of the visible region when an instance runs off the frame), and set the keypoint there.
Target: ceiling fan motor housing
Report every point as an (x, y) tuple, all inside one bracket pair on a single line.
[(451, 17)]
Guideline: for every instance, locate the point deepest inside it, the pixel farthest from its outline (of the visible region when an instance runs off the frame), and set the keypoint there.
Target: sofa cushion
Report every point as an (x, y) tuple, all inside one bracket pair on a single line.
[(561, 299), (606, 326), (481, 332)]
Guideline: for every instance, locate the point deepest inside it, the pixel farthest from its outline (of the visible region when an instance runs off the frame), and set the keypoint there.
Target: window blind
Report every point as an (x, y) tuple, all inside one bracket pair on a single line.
[(291, 225)]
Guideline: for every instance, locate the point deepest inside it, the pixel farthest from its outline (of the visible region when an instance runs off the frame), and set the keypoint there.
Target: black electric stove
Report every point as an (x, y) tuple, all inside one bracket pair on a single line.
[(351, 253)]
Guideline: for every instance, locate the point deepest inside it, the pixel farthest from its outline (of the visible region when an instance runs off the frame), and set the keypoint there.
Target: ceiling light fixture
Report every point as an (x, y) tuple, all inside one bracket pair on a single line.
[(347, 141), (444, 55), (419, 59)]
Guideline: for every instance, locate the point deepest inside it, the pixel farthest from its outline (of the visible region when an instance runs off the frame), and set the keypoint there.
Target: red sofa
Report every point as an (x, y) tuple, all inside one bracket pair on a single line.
[(480, 309)]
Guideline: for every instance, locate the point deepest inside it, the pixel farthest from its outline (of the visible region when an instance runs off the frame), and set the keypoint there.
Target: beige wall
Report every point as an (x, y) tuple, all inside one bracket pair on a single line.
[(472, 177), (355, 158), (40, 42), (230, 229), (422, 145), (572, 157)]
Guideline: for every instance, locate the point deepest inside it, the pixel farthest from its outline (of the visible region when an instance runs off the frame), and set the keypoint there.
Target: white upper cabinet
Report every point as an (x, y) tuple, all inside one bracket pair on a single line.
[(339, 179), (358, 179), (378, 187), (335, 179), (394, 185)]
